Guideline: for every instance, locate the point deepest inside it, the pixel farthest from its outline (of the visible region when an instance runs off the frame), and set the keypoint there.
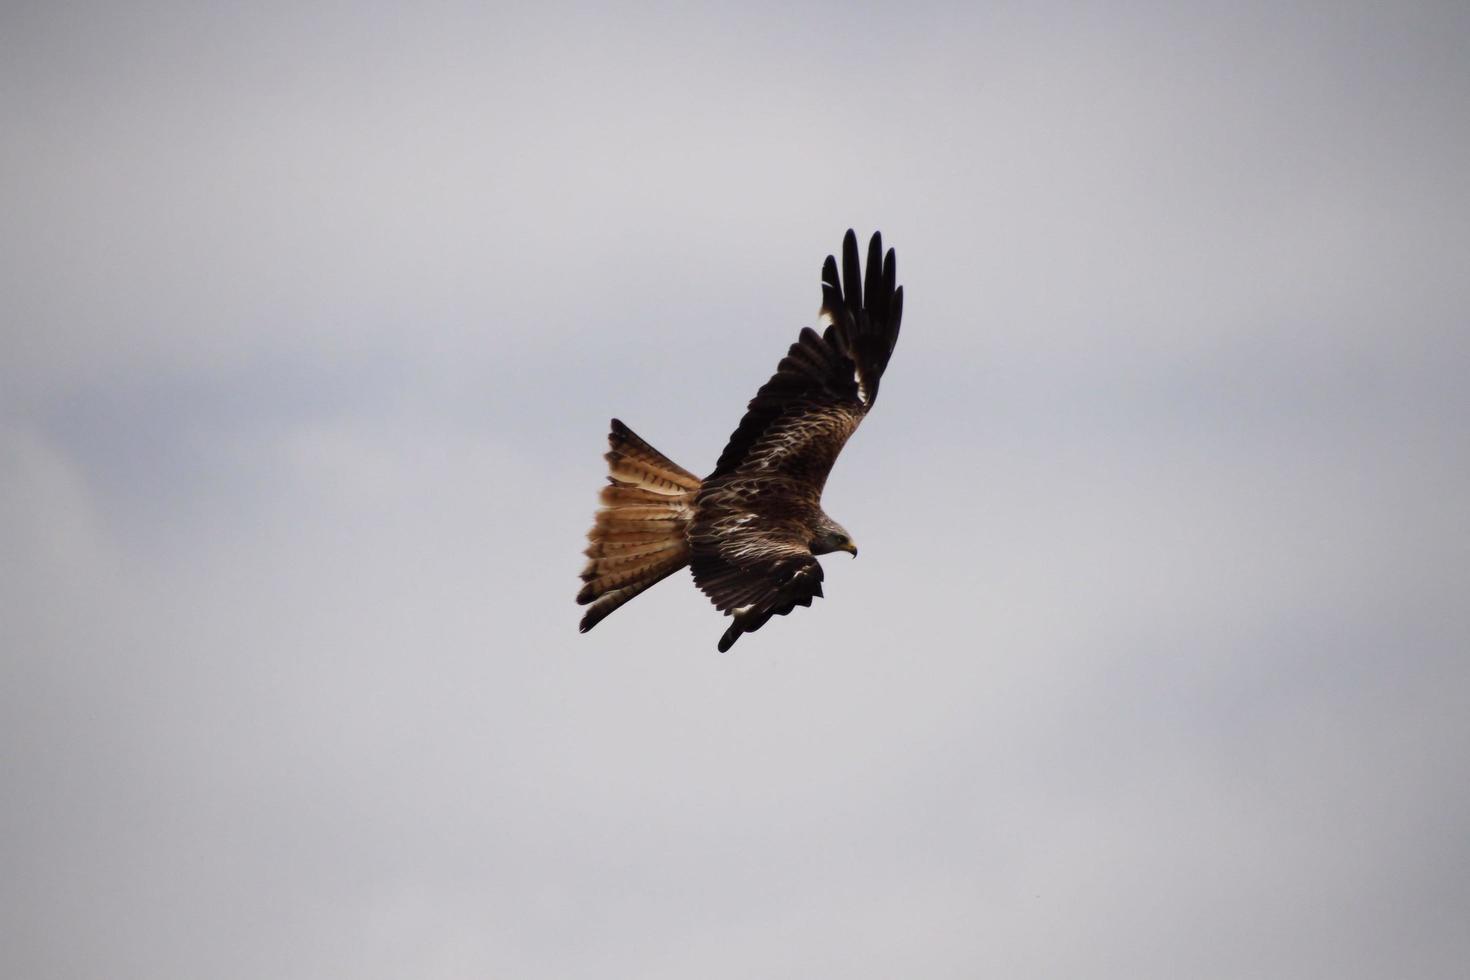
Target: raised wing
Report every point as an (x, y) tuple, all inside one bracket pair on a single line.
[(751, 537), (799, 420)]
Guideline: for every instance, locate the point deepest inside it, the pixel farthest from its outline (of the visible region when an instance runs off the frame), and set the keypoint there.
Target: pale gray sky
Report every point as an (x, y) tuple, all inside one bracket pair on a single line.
[(1155, 661)]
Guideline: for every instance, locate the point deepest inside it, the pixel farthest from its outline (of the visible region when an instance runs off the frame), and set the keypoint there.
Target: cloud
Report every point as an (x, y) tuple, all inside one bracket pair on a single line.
[(1151, 665)]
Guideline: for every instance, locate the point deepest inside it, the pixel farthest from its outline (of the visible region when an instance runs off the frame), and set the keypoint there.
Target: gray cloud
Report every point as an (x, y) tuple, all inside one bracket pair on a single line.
[(1153, 665)]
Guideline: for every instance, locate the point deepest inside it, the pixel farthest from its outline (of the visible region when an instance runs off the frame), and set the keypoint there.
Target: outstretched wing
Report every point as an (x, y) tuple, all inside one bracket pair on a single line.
[(800, 419), (750, 542)]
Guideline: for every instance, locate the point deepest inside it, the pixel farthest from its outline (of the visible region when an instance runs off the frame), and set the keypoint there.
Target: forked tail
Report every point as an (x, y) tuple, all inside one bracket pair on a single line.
[(639, 536)]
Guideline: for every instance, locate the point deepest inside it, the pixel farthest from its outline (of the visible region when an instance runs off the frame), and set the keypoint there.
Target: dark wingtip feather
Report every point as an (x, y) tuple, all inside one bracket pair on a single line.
[(871, 299), (831, 300), (852, 273), (895, 316), (831, 290)]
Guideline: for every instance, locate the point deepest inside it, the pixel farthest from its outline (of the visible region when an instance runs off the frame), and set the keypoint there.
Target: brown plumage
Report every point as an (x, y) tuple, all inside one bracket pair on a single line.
[(752, 529)]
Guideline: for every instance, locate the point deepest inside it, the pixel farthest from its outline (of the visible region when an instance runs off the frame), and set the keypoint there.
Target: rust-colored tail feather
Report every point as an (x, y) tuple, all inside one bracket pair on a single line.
[(638, 538)]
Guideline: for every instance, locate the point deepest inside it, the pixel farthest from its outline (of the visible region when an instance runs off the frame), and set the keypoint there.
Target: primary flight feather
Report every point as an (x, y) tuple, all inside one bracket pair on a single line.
[(751, 530)]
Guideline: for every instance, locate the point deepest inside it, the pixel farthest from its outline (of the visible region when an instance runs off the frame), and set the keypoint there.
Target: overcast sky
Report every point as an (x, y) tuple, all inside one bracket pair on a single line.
[(1154, 664)]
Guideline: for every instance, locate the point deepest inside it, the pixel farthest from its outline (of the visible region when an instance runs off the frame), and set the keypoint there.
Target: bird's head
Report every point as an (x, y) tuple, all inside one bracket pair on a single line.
[(831, 537)]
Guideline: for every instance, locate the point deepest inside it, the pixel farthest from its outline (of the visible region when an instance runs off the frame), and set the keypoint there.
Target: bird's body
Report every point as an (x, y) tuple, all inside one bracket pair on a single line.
[(752, 529)]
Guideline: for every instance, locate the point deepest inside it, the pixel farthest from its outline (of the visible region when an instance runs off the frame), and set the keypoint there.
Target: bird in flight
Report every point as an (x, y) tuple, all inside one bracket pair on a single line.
[(751, 530)]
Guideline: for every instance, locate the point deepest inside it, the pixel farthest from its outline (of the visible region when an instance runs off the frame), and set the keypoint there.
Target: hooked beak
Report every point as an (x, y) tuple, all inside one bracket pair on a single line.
[(851, 549)]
